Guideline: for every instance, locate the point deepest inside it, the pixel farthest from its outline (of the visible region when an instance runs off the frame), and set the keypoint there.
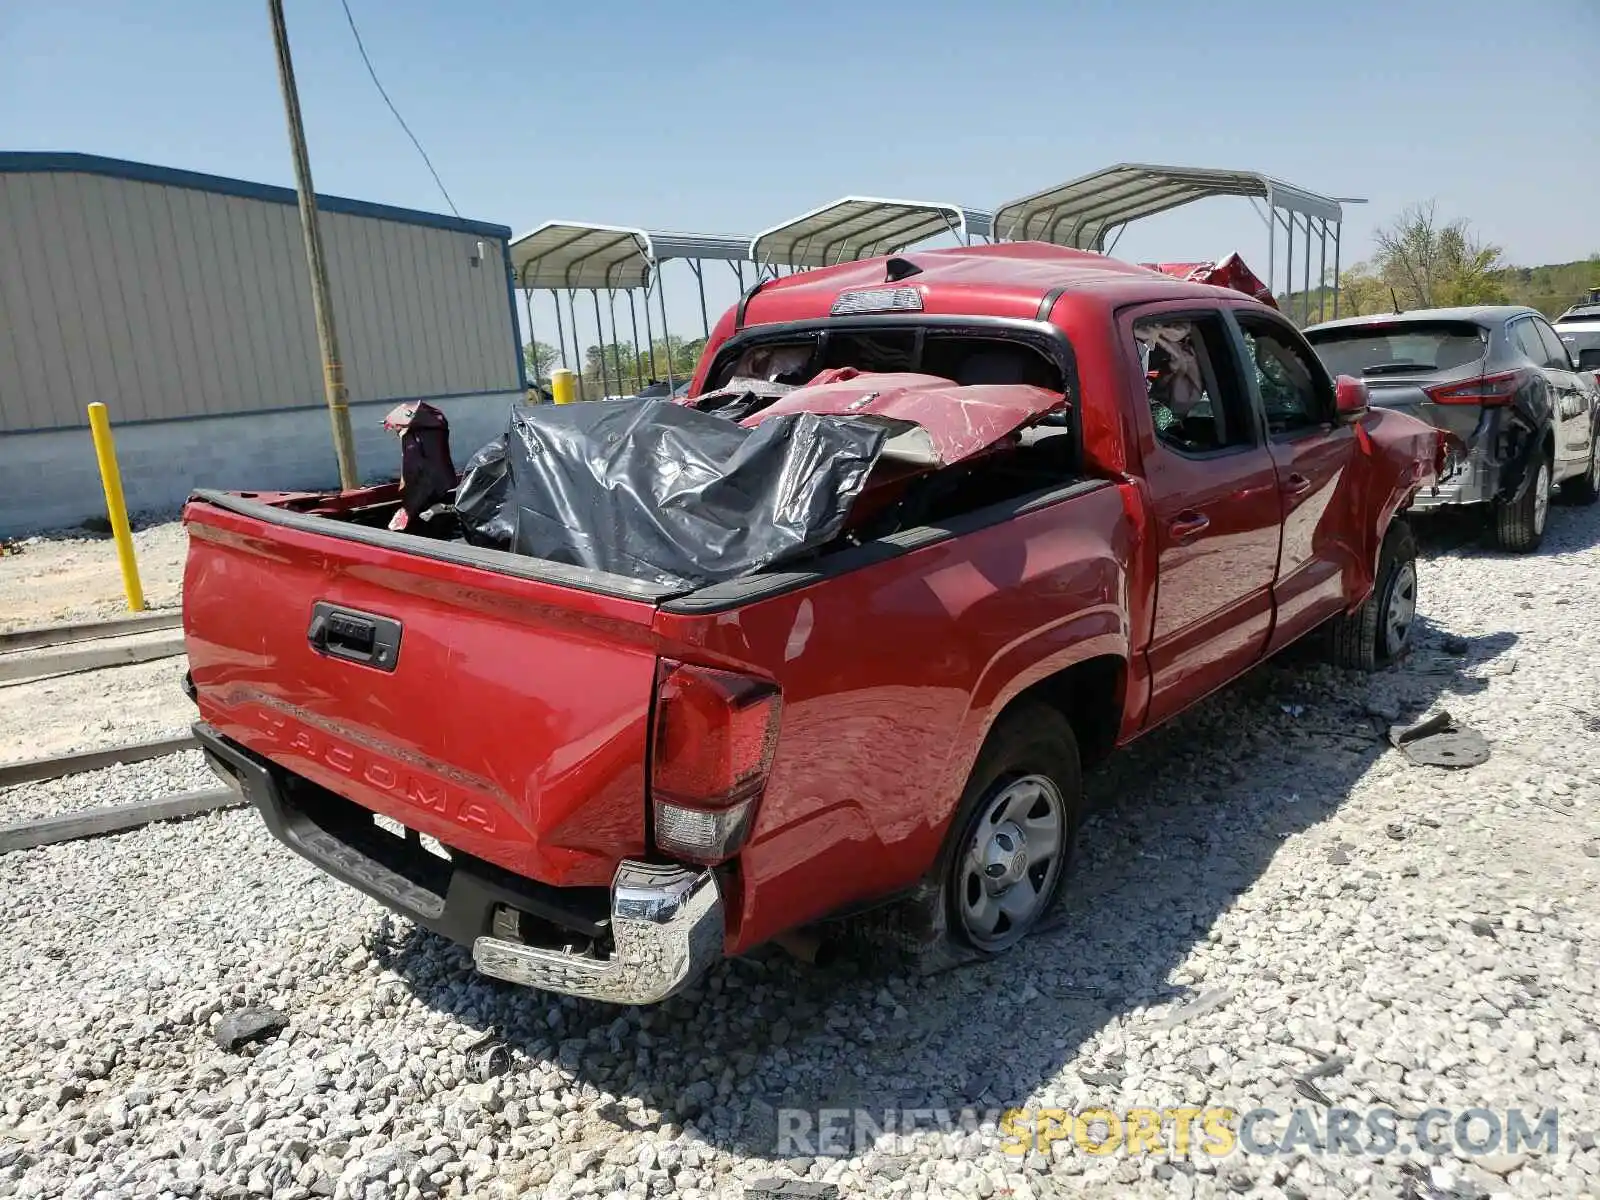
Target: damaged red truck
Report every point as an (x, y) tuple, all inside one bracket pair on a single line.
[(1131, 488)]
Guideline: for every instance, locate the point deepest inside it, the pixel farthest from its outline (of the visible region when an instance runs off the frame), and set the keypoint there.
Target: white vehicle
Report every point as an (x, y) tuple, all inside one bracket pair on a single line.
[(1579, 328)]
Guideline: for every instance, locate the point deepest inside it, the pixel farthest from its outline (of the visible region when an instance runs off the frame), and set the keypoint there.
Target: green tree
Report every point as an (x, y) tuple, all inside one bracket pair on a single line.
[(1362, 293), (540, 359), (1430, 264)]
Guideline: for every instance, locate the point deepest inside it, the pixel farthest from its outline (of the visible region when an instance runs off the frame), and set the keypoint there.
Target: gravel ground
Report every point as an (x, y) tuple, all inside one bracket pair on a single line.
[(94, 709), (73, 575), (1268, 890)]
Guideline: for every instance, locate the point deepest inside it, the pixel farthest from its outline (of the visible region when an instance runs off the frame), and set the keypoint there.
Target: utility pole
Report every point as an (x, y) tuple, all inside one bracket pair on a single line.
[(327, 337)]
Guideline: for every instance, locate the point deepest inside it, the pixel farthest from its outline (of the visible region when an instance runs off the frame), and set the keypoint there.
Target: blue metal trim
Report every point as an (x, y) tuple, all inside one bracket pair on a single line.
[(511, 298), (116, 168), (262, 412)]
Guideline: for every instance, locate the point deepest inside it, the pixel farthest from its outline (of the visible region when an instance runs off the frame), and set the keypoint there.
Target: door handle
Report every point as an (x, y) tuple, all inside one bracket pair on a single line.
[(1188, 525), (1296, 485), (353, 636)]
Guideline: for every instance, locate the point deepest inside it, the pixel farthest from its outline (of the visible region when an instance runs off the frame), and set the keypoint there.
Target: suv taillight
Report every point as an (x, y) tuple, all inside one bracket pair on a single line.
[(1491, 391), (714, 738)]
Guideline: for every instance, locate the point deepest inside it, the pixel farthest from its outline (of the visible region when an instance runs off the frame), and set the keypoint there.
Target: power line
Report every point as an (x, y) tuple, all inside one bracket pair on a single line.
[(379, 85)]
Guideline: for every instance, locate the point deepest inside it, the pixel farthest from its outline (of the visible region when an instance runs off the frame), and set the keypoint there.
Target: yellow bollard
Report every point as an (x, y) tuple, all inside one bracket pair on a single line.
[(563, 385), (116, 508)]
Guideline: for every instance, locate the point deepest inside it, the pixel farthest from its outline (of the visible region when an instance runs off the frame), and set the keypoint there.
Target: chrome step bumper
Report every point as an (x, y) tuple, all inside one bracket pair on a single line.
[(667, 928)]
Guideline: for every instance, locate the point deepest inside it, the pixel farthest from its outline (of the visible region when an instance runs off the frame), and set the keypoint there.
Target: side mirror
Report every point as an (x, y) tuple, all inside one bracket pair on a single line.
[(1350, 398)]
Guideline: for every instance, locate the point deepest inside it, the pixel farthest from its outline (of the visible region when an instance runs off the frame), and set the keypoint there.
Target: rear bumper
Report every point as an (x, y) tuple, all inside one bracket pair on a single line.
[(666, 929), (663, 925), (1476, 480)]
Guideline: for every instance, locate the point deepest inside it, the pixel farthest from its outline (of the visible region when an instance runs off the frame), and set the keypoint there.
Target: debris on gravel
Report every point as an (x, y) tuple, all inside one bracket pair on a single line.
[(247, 1025), (1242, 851)]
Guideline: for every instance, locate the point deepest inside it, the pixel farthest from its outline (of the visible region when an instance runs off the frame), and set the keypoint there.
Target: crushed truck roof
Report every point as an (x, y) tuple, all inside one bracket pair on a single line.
[(1007, 280)]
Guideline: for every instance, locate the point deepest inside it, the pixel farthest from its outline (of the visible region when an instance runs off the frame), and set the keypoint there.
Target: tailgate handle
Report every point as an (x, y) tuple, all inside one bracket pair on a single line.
[(358, 637)]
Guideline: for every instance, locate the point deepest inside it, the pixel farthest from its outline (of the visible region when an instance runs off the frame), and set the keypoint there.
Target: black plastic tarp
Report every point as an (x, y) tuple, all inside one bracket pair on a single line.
[(656, 491)]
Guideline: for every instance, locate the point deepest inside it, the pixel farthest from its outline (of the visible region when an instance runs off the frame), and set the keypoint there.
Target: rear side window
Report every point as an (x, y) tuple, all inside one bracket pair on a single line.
[(1526, 336), (1554, 352), (1196, 404), (1400, 349)]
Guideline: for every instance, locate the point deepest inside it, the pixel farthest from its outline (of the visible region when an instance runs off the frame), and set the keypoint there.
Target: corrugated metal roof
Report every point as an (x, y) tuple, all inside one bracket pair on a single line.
[(579, 254), (70, 163), (1080, 213), (859, 227)]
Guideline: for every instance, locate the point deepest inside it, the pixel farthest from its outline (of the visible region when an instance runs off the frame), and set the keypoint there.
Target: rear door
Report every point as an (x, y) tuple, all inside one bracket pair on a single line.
[(1573, 401), (1214, 500), (1310, 452)]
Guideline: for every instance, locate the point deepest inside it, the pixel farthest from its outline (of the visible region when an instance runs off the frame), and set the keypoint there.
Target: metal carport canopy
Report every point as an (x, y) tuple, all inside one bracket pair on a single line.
[(861, 226), (1081, 212), (582, 255)]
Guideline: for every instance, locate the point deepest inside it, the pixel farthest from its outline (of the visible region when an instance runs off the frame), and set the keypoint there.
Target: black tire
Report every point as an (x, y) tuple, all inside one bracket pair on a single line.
[(1519, 524), (1585, 488), (1030, 742), (1365, 639)]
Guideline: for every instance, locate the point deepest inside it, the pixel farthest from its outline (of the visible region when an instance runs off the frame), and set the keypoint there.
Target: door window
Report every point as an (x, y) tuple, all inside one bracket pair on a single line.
[(1294, 392), (1196, 405)]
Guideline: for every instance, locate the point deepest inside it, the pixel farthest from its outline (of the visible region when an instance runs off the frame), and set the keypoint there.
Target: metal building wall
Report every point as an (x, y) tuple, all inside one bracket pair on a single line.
[(171, 295)]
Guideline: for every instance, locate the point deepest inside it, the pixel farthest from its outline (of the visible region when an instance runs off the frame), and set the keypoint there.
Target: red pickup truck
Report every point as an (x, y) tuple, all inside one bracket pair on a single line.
[(1133, 489)]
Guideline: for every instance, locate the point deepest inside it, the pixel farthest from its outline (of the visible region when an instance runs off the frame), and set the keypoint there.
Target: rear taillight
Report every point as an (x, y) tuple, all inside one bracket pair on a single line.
[(1490, 391), (714, 738)]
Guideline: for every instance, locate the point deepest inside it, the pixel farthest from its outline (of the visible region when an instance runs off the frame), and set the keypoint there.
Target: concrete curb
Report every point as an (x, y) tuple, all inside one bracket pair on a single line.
[(56, 765), (31, 666), (92, 822), (61, 635)]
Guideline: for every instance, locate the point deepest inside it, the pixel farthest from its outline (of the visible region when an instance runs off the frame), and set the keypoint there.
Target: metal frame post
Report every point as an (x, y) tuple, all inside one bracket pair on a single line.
[(533, 342), (649, 332), (633, 323), (1272, 236), (561, 330), (1338, 233), (700, 281), (577, 349), (1306, 290), (1322, 275), (661, 291), (616, 344), (1288, 264), (600, 336)]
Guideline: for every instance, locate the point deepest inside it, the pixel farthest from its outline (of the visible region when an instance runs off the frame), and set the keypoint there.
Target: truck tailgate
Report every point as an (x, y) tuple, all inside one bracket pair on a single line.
[(509, 719)]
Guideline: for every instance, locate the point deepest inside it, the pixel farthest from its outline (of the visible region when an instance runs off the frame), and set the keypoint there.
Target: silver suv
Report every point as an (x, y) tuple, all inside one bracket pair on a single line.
[(1501, 380)]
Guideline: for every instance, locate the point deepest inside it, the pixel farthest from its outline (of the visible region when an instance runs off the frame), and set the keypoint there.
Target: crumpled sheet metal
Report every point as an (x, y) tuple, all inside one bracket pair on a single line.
[(933, 421), (1229, 272), (663, 493)]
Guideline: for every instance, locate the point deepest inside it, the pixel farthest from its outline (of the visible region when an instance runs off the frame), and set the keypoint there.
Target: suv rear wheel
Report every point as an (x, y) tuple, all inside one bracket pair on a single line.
[(1519, 524)]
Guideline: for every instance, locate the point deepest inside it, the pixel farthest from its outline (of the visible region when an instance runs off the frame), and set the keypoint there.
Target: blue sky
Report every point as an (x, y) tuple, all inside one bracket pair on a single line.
[(726, 117)]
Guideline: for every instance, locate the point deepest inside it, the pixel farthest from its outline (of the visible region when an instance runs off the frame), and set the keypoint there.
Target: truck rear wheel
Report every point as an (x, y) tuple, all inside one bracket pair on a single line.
[(1380, 630), (1006, 862)]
